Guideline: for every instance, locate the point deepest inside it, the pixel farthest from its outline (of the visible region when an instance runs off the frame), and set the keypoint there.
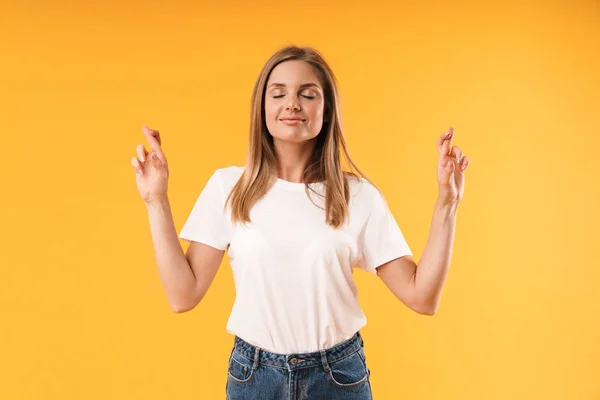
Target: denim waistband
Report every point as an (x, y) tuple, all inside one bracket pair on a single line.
[(298, 360)]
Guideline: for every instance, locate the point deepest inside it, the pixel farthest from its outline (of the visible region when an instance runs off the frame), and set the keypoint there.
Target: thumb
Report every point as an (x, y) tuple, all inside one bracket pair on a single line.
[(447, 172)]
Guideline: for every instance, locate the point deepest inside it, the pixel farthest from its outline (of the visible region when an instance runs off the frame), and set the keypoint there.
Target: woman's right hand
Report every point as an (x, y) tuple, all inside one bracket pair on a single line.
[(152, 171)]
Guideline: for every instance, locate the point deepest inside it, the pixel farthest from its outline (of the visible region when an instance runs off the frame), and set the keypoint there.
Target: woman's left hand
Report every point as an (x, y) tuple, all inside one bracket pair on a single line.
[(452, 164)]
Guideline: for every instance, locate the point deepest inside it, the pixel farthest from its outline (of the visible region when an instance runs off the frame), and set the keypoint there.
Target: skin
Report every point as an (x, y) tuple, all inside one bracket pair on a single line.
[(418, 286), (286, 97)]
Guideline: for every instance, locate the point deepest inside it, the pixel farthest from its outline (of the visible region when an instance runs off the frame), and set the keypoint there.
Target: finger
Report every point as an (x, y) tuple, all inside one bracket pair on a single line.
[(443, 137), (445, 158), (456, 152), (154, 134), (141, 152), (138, 167), (155, 160), (443, 161), (465, 163), (447, 168), (445, 142), (153, 138)]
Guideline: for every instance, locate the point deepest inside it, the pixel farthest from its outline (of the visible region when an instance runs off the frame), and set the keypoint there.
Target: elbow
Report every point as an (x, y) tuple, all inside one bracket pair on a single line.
[(429, 311), (426, 309), (184, 305), (179, 307)]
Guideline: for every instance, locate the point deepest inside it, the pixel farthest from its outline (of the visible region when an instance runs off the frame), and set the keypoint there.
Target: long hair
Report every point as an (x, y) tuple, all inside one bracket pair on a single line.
[(325, 163)]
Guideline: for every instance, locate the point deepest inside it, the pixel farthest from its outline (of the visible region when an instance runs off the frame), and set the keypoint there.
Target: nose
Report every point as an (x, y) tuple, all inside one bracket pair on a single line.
[(294, 105)]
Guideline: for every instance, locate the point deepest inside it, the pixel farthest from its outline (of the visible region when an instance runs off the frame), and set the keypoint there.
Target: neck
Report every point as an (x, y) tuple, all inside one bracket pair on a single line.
[(292, 158)]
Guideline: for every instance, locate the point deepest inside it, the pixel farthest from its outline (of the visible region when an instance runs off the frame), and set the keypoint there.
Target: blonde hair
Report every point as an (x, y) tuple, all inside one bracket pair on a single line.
[(324, 165)]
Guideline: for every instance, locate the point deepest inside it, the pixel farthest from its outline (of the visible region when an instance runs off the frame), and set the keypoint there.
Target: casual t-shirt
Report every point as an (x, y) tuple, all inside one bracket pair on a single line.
[(292, 271)]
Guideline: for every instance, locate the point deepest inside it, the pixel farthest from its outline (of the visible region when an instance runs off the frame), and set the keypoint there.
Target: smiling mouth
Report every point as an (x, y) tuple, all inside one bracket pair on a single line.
[(292, 121)]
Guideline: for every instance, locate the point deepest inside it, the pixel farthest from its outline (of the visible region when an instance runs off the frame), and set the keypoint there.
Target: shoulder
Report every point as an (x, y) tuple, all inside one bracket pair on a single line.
[(231, 171), (362, 188), (366, 196), (227, 177)]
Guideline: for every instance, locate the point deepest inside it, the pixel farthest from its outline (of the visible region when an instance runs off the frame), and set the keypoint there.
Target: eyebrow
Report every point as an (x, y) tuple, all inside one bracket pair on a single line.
[(301, 86)]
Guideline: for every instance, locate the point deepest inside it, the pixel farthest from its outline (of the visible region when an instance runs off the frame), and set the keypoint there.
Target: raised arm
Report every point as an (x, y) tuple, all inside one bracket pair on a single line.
[(185, 277), (420, 287)]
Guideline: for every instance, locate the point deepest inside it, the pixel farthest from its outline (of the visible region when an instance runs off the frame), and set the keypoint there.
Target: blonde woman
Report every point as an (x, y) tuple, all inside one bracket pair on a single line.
[(295, 224)]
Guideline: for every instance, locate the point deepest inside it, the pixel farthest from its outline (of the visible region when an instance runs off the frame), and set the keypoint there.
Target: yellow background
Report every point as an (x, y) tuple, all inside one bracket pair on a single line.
[(83, 313)]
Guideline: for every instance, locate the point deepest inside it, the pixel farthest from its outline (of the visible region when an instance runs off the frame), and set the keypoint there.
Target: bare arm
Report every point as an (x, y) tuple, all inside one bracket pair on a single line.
[(185, 277), (420, 287)]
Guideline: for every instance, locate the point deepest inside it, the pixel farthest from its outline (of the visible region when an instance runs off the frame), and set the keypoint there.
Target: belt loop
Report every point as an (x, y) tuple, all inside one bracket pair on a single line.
[(361, 339), (256, 358), (324, 361)]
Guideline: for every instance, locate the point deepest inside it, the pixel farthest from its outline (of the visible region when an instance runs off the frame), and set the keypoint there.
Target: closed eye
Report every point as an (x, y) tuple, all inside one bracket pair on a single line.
[(306, 97)]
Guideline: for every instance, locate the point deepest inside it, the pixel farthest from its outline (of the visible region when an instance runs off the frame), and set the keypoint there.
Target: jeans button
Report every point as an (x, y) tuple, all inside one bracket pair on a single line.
[(293, 361)]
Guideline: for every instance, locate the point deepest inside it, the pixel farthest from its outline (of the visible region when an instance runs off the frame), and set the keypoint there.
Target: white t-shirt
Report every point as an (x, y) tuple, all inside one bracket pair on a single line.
[(292, 271)]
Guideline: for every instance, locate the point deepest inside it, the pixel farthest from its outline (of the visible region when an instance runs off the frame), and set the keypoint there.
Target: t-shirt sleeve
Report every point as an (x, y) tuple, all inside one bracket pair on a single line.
[(208, 222), (380, 239)]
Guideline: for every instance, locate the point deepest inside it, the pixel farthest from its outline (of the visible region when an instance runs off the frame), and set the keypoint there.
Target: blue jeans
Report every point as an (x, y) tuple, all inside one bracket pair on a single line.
[(339, 372)]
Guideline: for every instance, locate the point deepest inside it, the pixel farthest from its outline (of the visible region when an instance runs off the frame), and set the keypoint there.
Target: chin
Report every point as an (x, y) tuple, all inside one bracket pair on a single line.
[(294, 137)]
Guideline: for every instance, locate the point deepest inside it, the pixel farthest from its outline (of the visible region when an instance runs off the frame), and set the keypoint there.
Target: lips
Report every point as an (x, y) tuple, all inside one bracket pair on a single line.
[(292, 122), (292, 119)]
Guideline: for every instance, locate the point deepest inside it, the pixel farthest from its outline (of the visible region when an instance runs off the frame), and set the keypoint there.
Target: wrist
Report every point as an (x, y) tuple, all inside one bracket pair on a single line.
[(157, 201), (444, 202)]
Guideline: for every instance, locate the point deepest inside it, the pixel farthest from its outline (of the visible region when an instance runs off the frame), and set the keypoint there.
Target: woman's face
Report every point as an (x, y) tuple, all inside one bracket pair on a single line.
[(294, 102)]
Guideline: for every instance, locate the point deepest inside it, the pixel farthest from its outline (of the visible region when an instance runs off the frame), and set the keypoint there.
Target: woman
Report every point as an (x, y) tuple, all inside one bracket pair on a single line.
[(295, 224)]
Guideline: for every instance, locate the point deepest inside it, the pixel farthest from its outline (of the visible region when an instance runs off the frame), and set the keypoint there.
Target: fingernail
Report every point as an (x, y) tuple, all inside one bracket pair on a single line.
[(140, 171)]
